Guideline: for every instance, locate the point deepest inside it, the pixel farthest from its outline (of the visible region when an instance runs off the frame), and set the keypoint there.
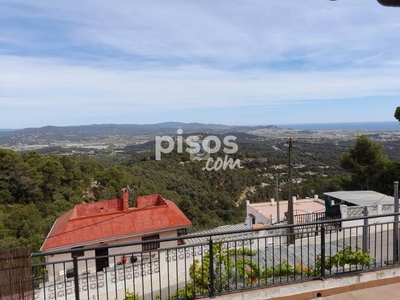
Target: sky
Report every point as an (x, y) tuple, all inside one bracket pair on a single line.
[(235, 62)]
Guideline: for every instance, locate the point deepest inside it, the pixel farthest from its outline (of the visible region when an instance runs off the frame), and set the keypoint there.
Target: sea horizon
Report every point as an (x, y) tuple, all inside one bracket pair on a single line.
[(368, 126)]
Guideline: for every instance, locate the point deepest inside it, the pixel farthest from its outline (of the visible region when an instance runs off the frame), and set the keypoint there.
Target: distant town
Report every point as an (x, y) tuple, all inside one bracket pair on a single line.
[(114, 138)]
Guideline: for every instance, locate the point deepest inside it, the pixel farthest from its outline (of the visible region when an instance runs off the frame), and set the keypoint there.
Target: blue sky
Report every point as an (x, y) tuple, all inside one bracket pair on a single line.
[(234, 62)]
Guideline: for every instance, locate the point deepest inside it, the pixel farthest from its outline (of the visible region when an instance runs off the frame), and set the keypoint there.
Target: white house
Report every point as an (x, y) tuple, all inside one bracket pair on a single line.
[(355, 204), (266, 213)]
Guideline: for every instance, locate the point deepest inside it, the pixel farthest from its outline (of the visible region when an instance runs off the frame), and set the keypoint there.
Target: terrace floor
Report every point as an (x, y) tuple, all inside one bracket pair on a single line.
[(385, 292)]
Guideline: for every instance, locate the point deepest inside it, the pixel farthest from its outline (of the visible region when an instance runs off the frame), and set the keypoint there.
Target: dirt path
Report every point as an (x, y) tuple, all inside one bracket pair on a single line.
[(242, 197)]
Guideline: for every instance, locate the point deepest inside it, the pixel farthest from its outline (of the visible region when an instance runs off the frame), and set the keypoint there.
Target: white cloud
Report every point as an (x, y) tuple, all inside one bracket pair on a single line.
[(228, 32), (51, 82)]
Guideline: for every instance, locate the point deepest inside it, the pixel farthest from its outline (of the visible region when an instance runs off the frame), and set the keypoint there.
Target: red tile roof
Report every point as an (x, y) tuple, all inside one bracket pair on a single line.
[(113, 219)]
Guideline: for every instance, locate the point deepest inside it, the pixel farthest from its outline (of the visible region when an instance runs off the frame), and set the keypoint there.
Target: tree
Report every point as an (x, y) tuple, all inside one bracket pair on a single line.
[(390, 175), (389, 2), (365, 161), (397, 113)]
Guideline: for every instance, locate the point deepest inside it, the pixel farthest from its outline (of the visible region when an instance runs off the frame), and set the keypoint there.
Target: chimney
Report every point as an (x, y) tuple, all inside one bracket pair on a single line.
[(124, 204)]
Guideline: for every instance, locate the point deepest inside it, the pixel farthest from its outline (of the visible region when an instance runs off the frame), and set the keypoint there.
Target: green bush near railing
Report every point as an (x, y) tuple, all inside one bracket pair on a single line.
[(131, 296), (347, 257), (229, 266), (236, 266)]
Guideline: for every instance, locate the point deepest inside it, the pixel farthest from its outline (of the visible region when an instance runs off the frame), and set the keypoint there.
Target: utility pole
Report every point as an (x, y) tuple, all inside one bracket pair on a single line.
[(291, 238), (277, 199), (396, 223)]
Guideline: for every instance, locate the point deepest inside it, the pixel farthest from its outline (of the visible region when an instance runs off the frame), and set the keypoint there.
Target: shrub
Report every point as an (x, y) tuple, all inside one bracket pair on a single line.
[(131, 296)]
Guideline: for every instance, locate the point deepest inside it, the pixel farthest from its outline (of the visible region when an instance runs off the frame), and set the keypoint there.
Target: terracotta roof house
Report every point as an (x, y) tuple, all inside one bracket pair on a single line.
[(112, 222)]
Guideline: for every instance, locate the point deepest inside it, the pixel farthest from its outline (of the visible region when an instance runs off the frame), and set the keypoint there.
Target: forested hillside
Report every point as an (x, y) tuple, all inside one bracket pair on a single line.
[(35, 190)]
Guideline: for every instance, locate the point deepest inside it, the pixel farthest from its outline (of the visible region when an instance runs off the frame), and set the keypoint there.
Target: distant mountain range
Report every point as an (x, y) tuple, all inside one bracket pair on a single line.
[(136, 129), (92, 132)]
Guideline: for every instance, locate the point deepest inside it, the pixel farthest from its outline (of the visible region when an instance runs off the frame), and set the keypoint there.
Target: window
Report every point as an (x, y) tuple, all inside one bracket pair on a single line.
[(152, 245), (78, 253), (182, 231), (253, 219)]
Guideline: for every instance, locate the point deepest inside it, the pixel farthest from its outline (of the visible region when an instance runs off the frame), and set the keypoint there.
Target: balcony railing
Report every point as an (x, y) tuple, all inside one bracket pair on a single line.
[(217, 264), (316, 217)]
